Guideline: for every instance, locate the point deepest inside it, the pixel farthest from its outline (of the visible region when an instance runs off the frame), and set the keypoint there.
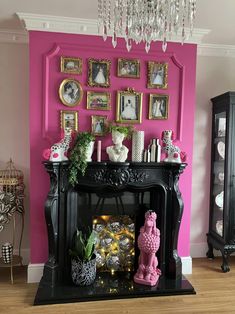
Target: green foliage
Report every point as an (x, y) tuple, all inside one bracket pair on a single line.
[(83, 247), (77, 156), (127, 130)]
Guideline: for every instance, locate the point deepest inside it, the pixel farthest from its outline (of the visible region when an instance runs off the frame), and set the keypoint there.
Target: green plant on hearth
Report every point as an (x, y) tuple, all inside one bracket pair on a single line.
[(83, 246), (78, 156), (127, 130)]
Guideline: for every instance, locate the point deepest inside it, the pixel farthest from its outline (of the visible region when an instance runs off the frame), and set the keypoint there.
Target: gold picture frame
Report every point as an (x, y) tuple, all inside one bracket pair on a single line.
[(99, 72), (70, 92), (157, 75), (70, 65), (69, 119), (98, 100), (158, 107), (129, 68), (129, 106), (98, 125)]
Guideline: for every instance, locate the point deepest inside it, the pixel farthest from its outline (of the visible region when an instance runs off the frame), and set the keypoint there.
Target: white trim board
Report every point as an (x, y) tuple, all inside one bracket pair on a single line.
[(60, 24), (35, 271)]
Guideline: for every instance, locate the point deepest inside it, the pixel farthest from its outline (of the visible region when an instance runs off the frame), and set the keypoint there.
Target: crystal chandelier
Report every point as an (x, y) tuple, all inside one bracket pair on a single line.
[(145, 20)]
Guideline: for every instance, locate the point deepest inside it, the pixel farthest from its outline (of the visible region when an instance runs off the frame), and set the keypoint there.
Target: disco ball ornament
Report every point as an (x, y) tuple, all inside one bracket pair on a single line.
[(114, 225), (129, 261), (97, 239), (106, 241), (100, 258), (128, 224), (113, 261), (99, 224), (125, 243)]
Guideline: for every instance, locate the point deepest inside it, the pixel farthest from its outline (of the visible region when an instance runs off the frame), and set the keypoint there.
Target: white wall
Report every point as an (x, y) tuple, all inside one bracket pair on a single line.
[(215, 75), (14, 122)]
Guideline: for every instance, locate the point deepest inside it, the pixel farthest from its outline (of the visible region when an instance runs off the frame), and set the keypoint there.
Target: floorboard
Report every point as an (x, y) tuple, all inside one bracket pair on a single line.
[(215, 294)]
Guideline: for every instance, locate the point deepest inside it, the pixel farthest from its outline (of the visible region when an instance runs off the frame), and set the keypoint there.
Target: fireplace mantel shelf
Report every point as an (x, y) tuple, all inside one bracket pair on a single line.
[(61, 211)]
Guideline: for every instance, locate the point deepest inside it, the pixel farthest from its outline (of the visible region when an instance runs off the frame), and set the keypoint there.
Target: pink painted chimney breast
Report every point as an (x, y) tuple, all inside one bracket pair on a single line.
[(45, 105)]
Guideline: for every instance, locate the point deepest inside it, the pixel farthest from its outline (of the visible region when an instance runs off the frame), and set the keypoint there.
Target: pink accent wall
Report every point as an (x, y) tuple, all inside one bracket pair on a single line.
[(45, 78)]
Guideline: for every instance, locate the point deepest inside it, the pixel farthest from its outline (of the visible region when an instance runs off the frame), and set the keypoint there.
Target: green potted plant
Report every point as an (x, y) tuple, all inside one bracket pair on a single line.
[(80, 154), (83, 259)]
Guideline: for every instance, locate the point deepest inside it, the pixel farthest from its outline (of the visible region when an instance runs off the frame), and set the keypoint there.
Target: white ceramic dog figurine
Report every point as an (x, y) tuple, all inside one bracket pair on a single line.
[(173, 153), (58, 151)]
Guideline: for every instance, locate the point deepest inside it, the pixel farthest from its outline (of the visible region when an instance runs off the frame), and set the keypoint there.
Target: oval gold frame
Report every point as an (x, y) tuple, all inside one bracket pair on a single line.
[(61, 92)]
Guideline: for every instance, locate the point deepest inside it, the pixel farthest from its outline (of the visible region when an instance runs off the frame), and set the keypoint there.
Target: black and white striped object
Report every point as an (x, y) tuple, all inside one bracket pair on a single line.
[(7, 250)]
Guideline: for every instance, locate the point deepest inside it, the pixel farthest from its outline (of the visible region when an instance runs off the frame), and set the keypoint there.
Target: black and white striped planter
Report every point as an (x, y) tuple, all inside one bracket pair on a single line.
[(7, 252)]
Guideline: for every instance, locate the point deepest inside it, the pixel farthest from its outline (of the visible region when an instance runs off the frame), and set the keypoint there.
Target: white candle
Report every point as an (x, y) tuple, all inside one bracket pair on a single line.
[(99, 151)]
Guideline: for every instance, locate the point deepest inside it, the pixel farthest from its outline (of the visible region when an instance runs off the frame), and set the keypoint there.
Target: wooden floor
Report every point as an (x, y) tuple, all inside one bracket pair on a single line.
[(215, 294)]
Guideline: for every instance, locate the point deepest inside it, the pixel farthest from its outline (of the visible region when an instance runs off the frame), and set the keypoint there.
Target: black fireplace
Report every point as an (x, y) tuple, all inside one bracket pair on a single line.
[(112, 190)]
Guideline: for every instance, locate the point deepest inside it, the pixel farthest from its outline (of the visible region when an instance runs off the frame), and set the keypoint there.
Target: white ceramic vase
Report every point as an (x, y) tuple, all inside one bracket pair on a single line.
[(137, 146), (90, 150)]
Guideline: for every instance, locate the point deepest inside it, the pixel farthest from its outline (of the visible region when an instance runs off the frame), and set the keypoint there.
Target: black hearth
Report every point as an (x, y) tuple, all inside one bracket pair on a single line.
[(112, 189)]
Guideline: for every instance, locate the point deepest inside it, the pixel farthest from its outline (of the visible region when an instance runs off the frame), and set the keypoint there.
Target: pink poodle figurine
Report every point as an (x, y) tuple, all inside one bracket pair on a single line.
[(148, 243)]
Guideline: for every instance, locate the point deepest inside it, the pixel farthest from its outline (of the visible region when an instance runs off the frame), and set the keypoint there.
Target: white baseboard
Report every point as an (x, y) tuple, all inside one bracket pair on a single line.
[(35, 271), (186, 265)]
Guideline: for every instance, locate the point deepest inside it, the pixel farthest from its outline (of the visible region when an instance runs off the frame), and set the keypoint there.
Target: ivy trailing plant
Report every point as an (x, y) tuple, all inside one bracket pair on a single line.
[(83, 246), (78, 157), (127, 130)]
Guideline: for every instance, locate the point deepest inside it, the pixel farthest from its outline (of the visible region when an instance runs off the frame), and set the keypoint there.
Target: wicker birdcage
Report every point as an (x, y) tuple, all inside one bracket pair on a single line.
[(11, 193)]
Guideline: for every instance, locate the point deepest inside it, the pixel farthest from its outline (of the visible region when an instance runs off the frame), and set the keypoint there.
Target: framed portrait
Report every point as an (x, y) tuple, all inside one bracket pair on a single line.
[(129, 106), (98, 100), (70, 92), (157, 75), (70, 65), (158, 107), (98, 124), (69, 119), (128, 68), (99, 73)]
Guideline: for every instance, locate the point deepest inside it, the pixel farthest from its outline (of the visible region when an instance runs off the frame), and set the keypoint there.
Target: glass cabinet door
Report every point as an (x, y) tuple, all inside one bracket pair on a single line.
[(218, 172)]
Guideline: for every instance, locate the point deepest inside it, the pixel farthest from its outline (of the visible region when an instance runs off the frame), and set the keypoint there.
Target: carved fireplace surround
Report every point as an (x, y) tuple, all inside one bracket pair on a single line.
[(64, 214)]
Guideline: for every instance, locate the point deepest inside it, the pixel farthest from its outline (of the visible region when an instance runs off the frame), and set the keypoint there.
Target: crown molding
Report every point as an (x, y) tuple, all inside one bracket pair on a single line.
[(214, 50), (49, 23), (13, 36)]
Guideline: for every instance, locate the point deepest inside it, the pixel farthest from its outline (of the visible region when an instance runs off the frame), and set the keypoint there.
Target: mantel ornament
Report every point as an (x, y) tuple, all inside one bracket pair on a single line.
[(117, 152), (173, 152)]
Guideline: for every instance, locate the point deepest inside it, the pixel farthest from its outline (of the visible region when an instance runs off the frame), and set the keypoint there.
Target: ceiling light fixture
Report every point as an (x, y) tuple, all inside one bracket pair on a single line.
[(145, 20)]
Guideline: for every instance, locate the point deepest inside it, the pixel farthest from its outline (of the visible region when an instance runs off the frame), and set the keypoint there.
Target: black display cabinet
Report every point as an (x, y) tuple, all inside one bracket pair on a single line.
[(221, 235)]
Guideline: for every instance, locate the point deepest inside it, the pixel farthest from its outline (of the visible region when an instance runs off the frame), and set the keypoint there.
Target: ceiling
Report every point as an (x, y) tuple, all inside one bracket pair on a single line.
[(216, 15)]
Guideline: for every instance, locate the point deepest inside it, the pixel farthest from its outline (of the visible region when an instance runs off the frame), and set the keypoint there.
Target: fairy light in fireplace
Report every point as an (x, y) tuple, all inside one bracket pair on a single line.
[(115, 237)]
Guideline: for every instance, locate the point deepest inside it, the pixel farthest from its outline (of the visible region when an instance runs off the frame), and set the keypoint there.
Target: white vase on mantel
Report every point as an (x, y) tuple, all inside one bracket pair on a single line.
[(90, 150), (137, 146)]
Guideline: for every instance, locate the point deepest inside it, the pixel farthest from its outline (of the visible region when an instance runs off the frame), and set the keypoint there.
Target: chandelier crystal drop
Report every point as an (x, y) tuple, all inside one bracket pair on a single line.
[(145, 20)]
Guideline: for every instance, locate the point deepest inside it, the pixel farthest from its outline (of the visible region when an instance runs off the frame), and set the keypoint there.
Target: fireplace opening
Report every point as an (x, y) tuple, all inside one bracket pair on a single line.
[(116, 218)]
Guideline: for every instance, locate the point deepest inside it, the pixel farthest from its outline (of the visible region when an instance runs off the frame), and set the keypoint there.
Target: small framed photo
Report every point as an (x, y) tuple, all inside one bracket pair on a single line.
[(98, 100), (70, 65), (157, 75), (158, 107), (99, 73), (129, 106), (69, 119), (70, 92), (128, 68), (98, 125)]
